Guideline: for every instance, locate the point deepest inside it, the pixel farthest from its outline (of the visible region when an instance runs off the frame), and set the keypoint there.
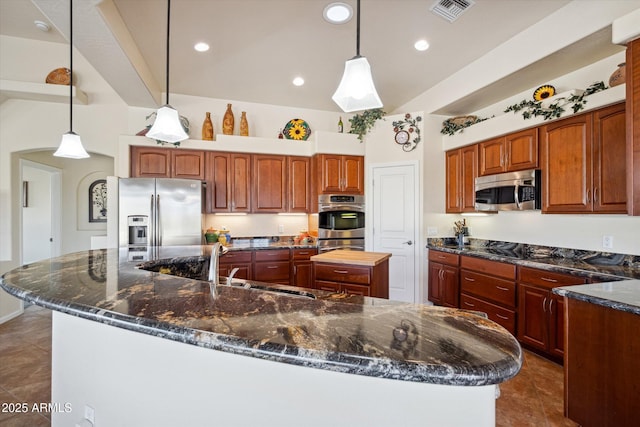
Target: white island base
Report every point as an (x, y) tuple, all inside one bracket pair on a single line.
[(134, 379)]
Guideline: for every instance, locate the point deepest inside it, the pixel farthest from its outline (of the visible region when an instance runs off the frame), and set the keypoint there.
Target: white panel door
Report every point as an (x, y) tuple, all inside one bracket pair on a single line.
[(395, 226)]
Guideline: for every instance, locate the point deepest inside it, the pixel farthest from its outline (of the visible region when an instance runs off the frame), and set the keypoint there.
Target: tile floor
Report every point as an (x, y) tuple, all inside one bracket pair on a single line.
[(533, 398)]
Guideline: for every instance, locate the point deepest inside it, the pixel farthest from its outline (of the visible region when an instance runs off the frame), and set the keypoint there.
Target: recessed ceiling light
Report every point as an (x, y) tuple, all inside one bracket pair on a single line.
[(42, 26), (338, 13), (201, 47), (421, 45), (298, 81)]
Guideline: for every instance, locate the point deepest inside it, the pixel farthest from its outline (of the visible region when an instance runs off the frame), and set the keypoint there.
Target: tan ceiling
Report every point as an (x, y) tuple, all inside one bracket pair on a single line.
[(259, 46)]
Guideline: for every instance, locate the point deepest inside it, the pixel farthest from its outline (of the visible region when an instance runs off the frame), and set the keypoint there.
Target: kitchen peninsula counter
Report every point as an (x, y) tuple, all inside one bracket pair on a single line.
[(402, 345)]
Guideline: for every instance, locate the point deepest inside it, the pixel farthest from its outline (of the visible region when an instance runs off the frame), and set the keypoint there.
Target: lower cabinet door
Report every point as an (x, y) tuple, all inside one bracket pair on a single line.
[(532, 316), (556, 330), (302, 274)]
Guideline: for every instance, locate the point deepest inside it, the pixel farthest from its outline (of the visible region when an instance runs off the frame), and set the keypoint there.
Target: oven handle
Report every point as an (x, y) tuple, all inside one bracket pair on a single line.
[(340, 208)]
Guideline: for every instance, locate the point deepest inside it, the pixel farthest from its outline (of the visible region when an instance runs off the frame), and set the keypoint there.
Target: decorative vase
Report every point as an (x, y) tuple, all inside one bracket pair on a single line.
[(228, 121), (207, 129), (244, 126), (619, 76)]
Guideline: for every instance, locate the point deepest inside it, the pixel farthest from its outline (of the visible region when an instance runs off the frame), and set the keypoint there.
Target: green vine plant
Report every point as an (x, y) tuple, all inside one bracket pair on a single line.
[(553, 111), (362, 123)]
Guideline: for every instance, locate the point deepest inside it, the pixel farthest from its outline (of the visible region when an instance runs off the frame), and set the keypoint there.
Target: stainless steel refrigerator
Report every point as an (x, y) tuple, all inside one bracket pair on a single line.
[(159, 212)]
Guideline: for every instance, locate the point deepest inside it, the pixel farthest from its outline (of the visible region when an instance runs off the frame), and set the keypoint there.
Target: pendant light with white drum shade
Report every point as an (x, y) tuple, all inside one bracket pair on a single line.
[(167, 126), (357, 90), (71, 145)]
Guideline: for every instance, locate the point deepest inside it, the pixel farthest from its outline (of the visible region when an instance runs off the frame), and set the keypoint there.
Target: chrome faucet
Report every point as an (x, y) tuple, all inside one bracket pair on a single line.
[(230, 276), (216, 251)]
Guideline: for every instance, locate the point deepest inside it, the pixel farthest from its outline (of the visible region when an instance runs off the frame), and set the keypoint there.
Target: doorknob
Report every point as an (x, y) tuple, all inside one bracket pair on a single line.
[(408, 242)]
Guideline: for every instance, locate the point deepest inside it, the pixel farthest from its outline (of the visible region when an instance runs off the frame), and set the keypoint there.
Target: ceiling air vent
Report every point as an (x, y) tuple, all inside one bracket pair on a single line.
[(451, 9)]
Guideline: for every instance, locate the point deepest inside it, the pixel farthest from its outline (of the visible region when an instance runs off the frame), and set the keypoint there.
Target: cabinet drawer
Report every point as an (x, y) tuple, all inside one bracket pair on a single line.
[(270, 271), (548, 279), (343, 273), (494, 268), (303, 253), (272, 255), (235, 256), (500, 291), (502, 316), (443, 257)]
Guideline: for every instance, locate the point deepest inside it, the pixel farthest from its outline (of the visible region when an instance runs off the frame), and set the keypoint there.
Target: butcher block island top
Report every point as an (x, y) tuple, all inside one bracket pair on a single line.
[(340, 256)]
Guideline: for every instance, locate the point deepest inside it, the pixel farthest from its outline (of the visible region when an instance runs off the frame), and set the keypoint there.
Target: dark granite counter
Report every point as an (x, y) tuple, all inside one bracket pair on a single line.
[(350, 334), (622, 296), (598, 266)]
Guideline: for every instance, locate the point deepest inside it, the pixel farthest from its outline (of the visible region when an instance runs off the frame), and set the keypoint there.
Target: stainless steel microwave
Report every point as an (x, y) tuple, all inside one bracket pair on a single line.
[(512, 191)]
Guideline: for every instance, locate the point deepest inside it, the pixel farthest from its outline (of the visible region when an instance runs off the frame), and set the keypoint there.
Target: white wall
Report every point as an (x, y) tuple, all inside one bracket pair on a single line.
[(572, 231)]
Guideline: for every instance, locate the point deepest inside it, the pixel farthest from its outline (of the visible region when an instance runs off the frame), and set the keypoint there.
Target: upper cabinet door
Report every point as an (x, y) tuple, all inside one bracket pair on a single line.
[(492, 156), (566, 165), (469, 172), (240, 182), (150, 162), (187, 164), (521, 150), (299, 184), (329, 176), (353, 174), (609, 160), (269, 183), (218, 176), (454, 181)]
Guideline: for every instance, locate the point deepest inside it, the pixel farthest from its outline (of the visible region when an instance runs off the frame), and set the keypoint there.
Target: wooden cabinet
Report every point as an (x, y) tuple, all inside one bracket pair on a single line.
[(243, 260), (540, 312), (272, 265), (609, 158), (228, 177), (461, 172), (583, 163), (299, 184), (516, 151), (367, 280), (443, 279), (489, 286), (302, 267), (339, 174), (153, 162), (601, 365), (269, 183)]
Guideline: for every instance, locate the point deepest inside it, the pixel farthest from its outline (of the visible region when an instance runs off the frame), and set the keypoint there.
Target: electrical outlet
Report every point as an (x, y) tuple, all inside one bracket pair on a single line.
[(432, 231), (607, 242), (280, 228)]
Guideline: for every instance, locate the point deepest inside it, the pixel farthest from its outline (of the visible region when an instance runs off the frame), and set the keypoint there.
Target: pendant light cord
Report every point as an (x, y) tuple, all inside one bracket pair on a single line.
[(358, 29), (168, 23), (70, 65)]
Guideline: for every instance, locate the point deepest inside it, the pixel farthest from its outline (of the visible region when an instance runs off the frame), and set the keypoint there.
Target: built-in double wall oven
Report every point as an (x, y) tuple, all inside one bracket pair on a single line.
[(340, 222)]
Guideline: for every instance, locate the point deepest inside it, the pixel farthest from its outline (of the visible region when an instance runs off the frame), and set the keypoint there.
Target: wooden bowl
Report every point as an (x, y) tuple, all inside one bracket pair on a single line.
[(59, 76)]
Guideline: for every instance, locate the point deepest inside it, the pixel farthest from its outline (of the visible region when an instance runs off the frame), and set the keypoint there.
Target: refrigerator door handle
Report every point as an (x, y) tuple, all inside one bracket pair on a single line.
[(152, 225), (158, 222)]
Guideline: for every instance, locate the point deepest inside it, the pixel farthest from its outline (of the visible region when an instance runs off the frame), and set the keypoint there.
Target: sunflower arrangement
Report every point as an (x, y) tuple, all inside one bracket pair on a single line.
[(544, 92), (575, 102), (297, 129)]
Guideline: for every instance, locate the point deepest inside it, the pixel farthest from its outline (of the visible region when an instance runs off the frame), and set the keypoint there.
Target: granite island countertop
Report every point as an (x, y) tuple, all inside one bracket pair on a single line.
[(621, 296), (598, 266), (336, 332)]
